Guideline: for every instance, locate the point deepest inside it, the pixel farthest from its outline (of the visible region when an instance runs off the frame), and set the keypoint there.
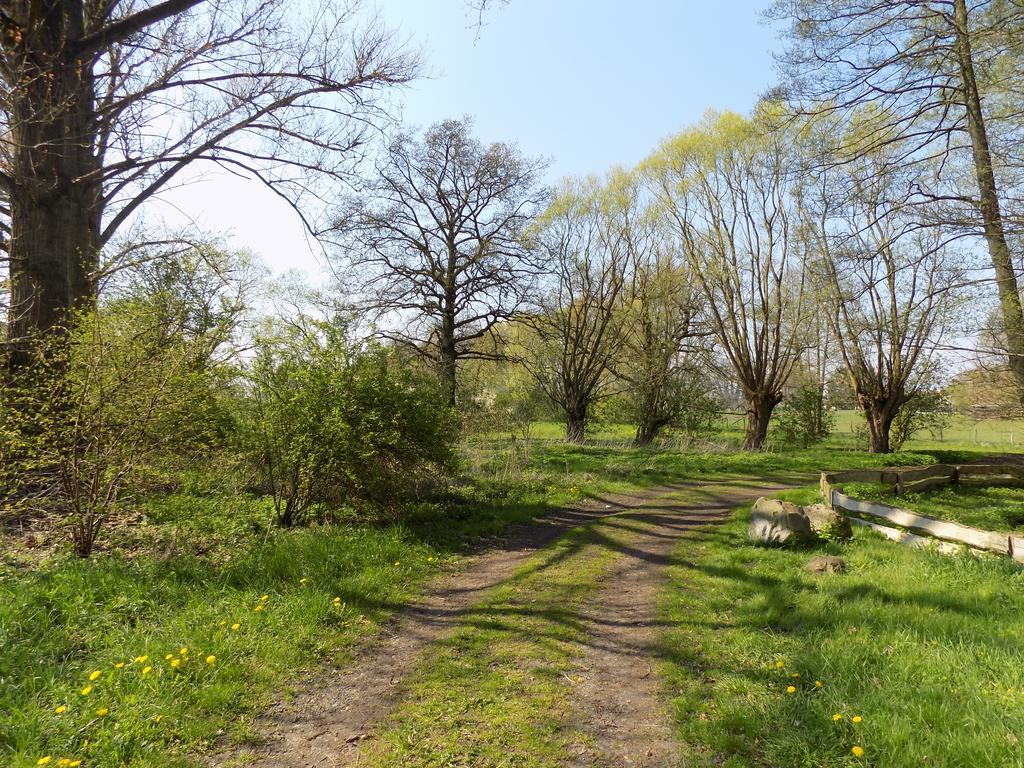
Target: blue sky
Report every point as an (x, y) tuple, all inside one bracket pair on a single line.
[(590, 85)]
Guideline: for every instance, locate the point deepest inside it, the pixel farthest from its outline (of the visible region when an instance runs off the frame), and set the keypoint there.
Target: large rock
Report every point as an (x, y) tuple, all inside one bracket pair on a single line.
[(828, 523), (779, 522)]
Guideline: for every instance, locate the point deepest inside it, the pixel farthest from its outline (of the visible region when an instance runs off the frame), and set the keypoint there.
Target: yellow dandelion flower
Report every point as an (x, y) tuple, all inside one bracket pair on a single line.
[(102, 712), (258, 608), (779, 665), (63, 762), (856, 718), (61, 709), (264, 598), (430, 559), (223, 622), (337, 600), (147, 670), (818, 683), (175, 663), (857, 751), (141, 659), (157, 718), (44, 759), (837, 717), (94, 676), (234, 627), (397, 563), (168, 657), (183, 650), (210, 659), (74, 763), (119, 665), (302, 581), (791, 689), (87, 690), (795, 674)]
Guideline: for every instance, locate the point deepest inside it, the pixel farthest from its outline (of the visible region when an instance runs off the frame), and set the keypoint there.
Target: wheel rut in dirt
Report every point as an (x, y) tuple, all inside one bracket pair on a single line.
[(617, 694)]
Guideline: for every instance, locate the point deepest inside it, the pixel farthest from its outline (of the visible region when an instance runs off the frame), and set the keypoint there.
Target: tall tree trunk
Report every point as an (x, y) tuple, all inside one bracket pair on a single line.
[(449, 351), (576, 422), (988, 194), (56, 197), (448, 371), (879, 418), (759, 416)]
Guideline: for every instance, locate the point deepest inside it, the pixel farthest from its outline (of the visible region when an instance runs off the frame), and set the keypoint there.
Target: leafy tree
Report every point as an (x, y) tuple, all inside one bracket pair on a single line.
[(437, 236), (578, 325), (661, 351), (726, 188), (891, 286)]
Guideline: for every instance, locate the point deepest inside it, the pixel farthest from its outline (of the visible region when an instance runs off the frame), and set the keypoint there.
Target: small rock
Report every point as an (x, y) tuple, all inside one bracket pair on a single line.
[(828, 523), (779, 522), (826, 564)]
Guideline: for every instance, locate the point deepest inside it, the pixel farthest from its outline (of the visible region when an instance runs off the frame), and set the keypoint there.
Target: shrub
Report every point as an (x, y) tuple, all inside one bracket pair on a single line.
[(119, 389), (328, 422), (803, 418)]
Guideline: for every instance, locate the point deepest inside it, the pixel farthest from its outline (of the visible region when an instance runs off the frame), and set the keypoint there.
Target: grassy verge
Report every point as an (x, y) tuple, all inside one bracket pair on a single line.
[(992, 509), (198, 620), (912, 658)]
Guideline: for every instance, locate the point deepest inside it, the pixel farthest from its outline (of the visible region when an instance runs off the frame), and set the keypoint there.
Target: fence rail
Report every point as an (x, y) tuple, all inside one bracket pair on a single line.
[(916, 529)]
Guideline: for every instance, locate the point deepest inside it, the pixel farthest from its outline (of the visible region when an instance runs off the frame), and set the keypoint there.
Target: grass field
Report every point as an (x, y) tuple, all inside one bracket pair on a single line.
[(204, 612), (196, 565), (910, 659), (1003, 435)]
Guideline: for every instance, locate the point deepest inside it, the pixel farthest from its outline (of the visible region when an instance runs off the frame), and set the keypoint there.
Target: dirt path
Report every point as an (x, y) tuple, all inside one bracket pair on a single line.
[(618, 693)]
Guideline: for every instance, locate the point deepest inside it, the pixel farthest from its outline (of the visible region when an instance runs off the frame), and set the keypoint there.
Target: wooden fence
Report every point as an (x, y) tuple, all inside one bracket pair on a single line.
[(916, 529)]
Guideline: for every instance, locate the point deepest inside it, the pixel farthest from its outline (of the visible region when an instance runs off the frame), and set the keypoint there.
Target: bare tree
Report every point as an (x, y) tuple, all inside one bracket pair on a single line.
[(726, 187), (932, 74), (437, 239), (892, 286), (107, 103), (578, 325)]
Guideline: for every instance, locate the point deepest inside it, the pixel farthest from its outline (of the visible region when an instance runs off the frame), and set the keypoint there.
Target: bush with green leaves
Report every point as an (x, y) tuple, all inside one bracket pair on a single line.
[(120, 389), (329, 423)]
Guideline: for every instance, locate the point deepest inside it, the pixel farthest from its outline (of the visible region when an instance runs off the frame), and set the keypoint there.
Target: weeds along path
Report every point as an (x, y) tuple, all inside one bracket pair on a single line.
[(551, 654)]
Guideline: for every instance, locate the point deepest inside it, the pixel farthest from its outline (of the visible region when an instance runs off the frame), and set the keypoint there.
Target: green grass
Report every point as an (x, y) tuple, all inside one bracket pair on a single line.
[(193, 564), (1006, 435), (194, 567), (927, 649), (988, 508)]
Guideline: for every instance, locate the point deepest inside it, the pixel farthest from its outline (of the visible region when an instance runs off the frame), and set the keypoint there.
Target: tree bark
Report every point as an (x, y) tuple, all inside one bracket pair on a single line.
[(55, 193), (759, 415), (879, 427), (576, 423), (988, 193)]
